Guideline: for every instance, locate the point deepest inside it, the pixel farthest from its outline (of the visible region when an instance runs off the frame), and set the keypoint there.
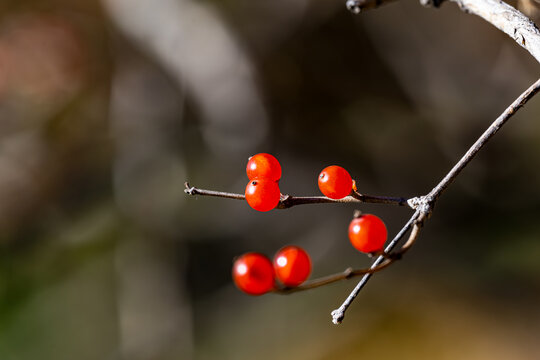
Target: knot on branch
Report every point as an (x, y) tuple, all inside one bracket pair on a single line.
[(423, 204)]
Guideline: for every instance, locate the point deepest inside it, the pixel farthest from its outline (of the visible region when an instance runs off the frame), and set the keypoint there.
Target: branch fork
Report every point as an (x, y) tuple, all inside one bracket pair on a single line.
[(423, 204)]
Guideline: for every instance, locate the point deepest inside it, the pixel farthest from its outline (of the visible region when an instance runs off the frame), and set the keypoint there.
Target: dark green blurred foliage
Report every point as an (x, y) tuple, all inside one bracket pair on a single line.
[(106, 108)]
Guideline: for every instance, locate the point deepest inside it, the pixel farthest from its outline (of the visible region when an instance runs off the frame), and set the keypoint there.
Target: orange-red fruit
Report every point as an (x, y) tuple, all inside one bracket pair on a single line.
[(263, 166), (335, 182), (262, 194), (292, 265), (367, 233), (253, 273)]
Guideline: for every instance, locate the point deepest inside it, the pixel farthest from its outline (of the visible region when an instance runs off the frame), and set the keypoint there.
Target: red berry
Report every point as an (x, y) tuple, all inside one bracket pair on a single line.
[(263, 166), (335, 182), (262, 194), (367, 233), (292, 265), (253, 273)]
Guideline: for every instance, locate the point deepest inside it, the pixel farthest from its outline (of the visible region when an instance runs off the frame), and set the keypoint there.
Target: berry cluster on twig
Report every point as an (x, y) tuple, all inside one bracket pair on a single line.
[(255, 274)]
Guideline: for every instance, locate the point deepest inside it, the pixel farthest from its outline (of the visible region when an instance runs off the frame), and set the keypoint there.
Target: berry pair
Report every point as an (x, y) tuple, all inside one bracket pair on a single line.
[(262, 191), (264, 172), (255, 274)]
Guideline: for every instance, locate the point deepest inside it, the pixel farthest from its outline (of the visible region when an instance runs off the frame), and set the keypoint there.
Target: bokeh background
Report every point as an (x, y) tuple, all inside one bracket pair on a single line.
[(107, 107)]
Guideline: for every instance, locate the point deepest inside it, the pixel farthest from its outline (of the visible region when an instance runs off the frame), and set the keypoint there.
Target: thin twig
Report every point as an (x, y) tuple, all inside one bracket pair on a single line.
[(483, 139), (507, 19), (349, 273), (527, 35), (498, 13), (339, 313), (191, 190), (400, 201), (424, 204), (288, 201)]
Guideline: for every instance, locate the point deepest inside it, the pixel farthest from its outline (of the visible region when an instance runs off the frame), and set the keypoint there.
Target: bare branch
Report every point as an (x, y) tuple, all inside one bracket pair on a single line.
[(415, 221), (288, 201), (526, 34), (498, 13), (347, 274), (400, 201), (191, 190), (387, 259), (507, 19), (424, 204), (483, 139)]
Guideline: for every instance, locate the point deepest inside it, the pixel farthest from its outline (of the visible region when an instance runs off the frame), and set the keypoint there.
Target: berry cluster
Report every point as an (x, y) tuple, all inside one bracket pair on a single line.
[(264, 172), (255, 274)]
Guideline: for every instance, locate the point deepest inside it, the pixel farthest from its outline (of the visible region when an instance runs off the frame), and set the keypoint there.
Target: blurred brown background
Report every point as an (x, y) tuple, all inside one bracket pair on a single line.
[(106, 108)]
